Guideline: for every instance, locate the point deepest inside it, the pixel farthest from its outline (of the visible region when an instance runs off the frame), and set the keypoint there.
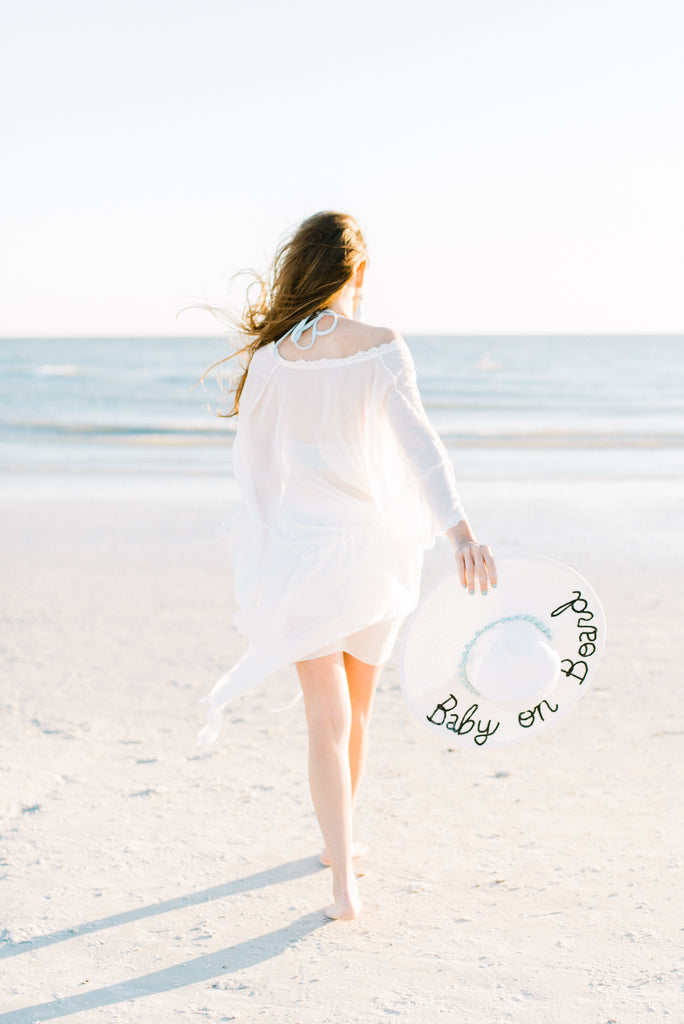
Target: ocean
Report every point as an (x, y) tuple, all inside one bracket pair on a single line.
[(127, 415)]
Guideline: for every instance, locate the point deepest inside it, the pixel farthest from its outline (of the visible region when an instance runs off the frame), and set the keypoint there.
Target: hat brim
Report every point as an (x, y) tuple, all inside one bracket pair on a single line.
[(448, 618)]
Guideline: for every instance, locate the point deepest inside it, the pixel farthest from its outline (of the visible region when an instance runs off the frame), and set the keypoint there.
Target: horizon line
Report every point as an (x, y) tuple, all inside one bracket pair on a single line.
[(408, 333)]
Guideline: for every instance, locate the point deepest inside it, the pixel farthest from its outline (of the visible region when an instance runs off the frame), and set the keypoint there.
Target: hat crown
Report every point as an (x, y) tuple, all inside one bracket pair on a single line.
[(512, 663)]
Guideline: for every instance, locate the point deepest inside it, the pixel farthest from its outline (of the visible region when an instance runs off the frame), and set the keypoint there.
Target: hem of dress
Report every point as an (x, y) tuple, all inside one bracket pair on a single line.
[(353, 643)]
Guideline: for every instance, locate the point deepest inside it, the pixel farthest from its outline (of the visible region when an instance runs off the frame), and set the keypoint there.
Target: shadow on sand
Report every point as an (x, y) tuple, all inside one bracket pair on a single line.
[(203, 968)]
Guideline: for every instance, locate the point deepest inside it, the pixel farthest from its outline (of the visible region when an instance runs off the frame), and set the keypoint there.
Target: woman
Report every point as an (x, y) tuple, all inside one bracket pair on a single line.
[(344, 484)]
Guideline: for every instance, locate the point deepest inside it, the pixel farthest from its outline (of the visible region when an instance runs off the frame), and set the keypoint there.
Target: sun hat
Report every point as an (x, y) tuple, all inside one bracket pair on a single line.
[(486, 670)]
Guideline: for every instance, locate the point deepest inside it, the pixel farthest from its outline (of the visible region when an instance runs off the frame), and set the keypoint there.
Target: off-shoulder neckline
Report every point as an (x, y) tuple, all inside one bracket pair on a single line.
[(357, 357)]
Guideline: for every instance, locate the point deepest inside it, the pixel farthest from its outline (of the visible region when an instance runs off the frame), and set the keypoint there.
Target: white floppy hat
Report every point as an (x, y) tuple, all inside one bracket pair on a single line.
[(484, 670)]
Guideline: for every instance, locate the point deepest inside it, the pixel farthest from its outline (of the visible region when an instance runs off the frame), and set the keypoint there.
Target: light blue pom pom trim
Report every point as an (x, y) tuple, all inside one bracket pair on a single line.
[(469, 646)]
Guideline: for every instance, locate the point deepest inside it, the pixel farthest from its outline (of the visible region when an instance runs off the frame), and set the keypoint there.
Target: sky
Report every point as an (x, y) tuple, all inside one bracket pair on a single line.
[(516, 166)]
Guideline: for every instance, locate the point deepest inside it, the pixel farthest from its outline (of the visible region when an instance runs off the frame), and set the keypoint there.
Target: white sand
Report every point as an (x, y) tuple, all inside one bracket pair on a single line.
[(142, 881)]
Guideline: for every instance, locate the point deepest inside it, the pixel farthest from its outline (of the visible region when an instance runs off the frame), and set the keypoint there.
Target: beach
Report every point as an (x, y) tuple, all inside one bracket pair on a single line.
[(499, 185), (146, 880)]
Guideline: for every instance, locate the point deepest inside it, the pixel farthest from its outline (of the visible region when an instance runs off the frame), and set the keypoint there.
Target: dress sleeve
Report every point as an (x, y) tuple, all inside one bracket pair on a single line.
[(421, 444)]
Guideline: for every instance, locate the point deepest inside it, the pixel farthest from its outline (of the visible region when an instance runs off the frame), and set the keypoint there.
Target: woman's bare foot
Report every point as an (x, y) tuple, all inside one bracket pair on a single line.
[(346, 907), (358, 850)]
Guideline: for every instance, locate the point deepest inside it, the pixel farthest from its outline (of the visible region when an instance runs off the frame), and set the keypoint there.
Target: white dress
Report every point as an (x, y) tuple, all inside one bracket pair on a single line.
[(344, 483)]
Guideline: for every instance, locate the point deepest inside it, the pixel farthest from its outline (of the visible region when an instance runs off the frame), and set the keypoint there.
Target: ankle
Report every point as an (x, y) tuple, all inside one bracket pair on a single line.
[(345, 884)]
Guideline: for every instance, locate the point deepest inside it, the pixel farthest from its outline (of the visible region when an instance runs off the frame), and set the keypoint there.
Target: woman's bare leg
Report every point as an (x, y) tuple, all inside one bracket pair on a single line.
[(362, 680), (329, 717)]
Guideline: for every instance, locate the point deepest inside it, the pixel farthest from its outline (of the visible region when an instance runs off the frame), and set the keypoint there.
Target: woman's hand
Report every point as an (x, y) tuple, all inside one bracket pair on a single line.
[(474, 560)]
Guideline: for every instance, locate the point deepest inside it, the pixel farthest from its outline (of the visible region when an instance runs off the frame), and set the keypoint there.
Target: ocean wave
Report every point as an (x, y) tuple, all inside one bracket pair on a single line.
[(214, 431), (486, 364), (202, 431), (563, 439), (60, 370)]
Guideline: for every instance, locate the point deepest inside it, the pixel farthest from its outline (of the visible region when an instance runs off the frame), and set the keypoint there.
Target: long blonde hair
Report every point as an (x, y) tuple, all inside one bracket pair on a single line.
[(308, 270)]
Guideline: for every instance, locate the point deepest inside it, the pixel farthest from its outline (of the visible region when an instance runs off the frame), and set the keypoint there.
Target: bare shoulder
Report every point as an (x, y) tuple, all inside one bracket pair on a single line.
[(347, 338), (359, 337)]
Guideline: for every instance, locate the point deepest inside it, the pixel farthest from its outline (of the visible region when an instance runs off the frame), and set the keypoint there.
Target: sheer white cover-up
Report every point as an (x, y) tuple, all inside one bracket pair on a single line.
[(344, 483)]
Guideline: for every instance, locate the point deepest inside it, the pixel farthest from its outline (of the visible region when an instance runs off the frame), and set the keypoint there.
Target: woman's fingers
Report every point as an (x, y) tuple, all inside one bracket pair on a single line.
[(480, 569), (476, 564), (470, 569), (466, 566), (491, 566)]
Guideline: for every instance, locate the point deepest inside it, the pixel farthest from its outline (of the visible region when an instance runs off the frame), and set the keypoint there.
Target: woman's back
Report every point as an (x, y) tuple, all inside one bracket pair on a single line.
[(336, 439), (313, 444)]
